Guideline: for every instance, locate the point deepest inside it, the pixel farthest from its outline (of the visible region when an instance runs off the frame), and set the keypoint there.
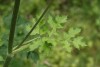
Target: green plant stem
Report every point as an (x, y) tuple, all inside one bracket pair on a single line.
[(20, 49), (27, 42), (21, 44), (12, 31), (7, 62), (13, 25)]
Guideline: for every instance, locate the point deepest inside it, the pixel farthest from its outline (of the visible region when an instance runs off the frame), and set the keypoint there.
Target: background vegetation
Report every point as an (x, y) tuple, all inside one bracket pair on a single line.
[(81, 15)]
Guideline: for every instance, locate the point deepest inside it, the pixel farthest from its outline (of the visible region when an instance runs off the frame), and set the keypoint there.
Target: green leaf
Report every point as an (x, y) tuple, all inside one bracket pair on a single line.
[(74, 31), (67, 46), (67, 37), (50, 40), (34, 55), (78, 42), (35, 45), (46, 48), (61, 19), (52, 22)]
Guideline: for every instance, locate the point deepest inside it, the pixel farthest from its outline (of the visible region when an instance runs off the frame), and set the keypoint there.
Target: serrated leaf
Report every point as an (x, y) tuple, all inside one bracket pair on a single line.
[(67, 46), (51, 40), (44, 29), (56, 23), (78, 42), (52, 22), (67, 37), (61, 19), (52, 32), (74, 31)]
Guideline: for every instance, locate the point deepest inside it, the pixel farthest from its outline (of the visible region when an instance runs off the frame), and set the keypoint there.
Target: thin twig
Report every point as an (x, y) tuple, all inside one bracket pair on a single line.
[(27, 42), (21, 44)]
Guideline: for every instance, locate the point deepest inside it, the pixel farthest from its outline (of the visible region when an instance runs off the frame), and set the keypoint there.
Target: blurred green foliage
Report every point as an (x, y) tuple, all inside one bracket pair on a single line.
[(83, 20)]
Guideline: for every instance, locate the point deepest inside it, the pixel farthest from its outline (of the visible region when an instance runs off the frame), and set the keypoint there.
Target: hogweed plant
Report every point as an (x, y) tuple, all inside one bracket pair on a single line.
[(49, 33)]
